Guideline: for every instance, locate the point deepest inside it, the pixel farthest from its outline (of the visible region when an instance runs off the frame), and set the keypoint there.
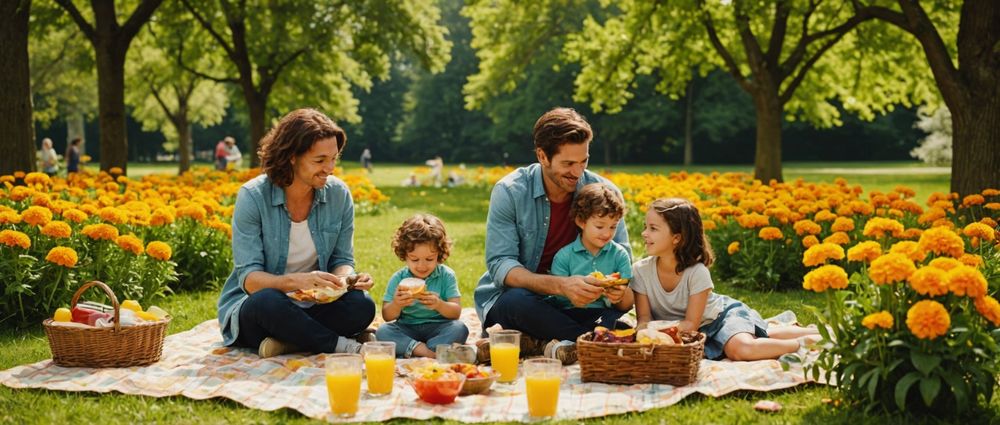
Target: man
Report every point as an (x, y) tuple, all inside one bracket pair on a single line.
[(220, 155), (528, 223)]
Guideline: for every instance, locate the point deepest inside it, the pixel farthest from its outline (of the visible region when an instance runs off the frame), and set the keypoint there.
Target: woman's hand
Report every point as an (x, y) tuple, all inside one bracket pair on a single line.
[(429, 299), (402, 297), (364, 282)]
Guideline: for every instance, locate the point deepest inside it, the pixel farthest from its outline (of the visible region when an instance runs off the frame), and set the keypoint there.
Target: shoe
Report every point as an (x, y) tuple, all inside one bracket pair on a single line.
[(348, 345), (564, 351), (531, 346), (483, 351), (367, 335), (271, 347)]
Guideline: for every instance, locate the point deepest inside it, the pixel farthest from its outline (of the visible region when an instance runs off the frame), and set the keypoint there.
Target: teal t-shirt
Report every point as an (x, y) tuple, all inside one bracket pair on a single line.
[(575, 260), (441, 281)]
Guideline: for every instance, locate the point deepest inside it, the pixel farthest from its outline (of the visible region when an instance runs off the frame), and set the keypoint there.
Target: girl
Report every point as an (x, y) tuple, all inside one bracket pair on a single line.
[(673, 283), (426, 316)]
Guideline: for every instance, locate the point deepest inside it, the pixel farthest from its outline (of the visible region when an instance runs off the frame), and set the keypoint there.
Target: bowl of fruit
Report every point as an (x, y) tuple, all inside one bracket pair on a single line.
[(478, 380), (436, 383)]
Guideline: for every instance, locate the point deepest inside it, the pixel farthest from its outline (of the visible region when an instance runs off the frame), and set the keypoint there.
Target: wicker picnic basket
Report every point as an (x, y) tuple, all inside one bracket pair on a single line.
[(634, 363), (136, 345)]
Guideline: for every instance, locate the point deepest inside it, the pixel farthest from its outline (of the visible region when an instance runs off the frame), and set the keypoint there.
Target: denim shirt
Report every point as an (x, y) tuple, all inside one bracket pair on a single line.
[(516, 227), (260, 238)]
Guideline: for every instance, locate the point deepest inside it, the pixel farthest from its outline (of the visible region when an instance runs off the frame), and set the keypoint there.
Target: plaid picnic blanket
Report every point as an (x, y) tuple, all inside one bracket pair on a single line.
[(194, 365)]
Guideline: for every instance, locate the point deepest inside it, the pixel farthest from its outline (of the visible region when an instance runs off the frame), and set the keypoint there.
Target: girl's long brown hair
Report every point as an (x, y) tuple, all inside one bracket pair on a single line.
[(685, 220)]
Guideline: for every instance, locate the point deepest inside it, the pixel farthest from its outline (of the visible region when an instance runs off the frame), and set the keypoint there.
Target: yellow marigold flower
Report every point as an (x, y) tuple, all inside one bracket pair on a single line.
[(838, 238), (912, 233), (881, 319), (979, 230), (34, 178), (36, 216), (940, 240), (113, 215), (115, 170), (878, 227), (989, 222), (161, 217), (989, 308), (770, 233), (971, 200), (14, 238), (929, 281), (825, 215), (966, 281), (130, 243), (709, 225), (752, 220), (41, 200), (971, 260), (100, 231), (991, 192), (866, 251), (944, 263), (932, 215), (75, 215), (819, 254), (910, 249), (194, 211), (891, 268), (822, 278), (57, 229), (810, 241), (993, 206), (806, 226), (928, 319), (159, 250), (20, 193), (63, 256), (89, 208), (733, 247), (842, 224)]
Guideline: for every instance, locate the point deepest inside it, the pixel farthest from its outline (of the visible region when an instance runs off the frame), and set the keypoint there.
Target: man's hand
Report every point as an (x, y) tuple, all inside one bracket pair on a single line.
[(315, 279), (364, 282), (615, 293), (581, 290)]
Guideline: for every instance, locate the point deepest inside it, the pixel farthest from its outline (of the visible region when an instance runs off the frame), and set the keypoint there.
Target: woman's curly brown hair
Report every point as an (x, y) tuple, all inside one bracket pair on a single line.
[(685, 220), (421, 228), (294, 135), (597, 199)]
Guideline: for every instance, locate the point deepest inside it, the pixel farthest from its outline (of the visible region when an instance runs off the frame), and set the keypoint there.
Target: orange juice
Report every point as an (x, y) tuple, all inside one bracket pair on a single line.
[(381, 368), (543, 395), (504, 360), (344, 391)]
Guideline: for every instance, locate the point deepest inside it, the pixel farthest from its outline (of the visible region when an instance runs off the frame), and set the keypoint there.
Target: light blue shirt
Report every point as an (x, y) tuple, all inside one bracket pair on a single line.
[(441, 281), (260, 239), (575, 260), (516, 227)]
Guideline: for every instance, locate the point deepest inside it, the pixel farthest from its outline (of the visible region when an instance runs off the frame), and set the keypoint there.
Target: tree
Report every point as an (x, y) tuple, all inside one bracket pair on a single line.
[(966, 68), (300, 53), (111, 41), (16, 130)]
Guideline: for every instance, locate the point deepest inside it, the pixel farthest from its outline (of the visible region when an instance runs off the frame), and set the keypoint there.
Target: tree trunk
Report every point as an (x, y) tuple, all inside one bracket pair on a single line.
[(975, 163), (111, 105), (688, 119), (17, 134), (184, 143), (76, 127), (767, 159), (257, 103)]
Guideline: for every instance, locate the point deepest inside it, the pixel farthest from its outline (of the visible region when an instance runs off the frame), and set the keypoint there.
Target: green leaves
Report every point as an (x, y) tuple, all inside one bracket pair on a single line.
[(925, 363), (903, 387)]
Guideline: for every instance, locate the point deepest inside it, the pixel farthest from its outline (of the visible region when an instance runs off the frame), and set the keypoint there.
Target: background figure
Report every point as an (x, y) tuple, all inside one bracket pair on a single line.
[(366, 159), (48, 159), (73, 156), (220, 155), (437, 166), (233, 155)]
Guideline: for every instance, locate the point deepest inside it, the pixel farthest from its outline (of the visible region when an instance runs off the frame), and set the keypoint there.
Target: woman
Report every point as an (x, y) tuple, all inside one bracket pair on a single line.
[(73, 156), (293, 229), (49, 159)]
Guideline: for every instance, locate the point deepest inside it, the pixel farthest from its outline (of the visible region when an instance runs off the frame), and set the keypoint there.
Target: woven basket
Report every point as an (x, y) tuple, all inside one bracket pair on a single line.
[(136, 345), (633, 363)]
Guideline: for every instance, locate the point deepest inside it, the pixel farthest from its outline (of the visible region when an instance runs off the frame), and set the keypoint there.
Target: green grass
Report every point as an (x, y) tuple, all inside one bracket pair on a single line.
[(464, 212)]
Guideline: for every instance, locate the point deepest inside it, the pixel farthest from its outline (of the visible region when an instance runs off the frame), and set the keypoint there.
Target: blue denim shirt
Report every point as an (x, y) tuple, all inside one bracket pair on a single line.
[(516, 227), (260, 238)]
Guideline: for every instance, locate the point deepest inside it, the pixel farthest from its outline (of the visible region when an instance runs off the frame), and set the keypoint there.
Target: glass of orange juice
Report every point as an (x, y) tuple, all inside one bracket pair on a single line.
[(380, 366), (542, 378), (505, 347), (343, 383)]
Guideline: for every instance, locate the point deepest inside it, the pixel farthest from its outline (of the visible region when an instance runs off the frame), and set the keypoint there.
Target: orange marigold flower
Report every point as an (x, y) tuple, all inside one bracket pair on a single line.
[(838, 238), (971, 200), (733, 247), (912, 233), (100, 231), (825, 215), (966, 281), (819, 254), (161, 217), (910, 249), (14, 238), (194, 211), (842, 224), (992, 206), (10, 217), (130, 243), (709, 225), (752, 220), (989, 222), (944, 263), (929, 281), (991, 192), (932, 215), (979, 230), (940, 240), (57, 229), (878, 227), (891, 268), (115, 170), (810, 241), (20, 193), (63, 256), (971, 260), (928, 319), (75, 215), (989, 308), (865, 251), (822, 278), (34, 178), (36, 216), (881, 319), (113, 215), (806, 226), (770, 233), (159, 250)]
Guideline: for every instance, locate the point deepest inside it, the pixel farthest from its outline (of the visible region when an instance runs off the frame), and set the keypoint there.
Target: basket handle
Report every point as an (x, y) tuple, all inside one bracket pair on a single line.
[(107, 291)]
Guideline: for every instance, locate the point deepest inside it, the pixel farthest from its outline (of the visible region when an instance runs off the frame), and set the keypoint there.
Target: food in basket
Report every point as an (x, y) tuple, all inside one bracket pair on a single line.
[(602, 334), (436, 383), (317, 295), (413, 285), (63, 315), (613, 279), (652, 336)]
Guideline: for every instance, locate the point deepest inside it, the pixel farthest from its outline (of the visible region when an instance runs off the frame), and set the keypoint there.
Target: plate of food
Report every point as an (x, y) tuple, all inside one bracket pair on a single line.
[(321, 295), (613, 279)]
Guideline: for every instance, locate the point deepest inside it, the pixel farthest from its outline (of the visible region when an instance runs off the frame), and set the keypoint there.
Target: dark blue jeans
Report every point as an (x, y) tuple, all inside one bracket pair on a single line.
[(270, 313), (528, 312)]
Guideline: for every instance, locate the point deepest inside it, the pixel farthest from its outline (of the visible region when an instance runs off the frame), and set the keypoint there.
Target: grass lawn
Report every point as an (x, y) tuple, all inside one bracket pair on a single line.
[(464, 212)]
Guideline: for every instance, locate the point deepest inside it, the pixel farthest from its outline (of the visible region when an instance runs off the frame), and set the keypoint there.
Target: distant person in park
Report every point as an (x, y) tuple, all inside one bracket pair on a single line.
[(73, 156), (220, 155), (528, 222), (293, 231), (233, 155), (437, 167), (48, 159), (366, 159)]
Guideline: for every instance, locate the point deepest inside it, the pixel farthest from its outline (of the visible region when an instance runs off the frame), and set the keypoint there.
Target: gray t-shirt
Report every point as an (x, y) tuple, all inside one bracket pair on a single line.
[(672, 305)]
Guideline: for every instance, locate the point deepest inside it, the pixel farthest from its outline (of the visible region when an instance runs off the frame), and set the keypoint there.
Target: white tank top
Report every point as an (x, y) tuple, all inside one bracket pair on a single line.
[(302, 255)]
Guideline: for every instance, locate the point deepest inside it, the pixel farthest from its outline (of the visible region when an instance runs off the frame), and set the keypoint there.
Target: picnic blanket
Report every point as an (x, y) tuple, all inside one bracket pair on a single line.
[(195, 365)]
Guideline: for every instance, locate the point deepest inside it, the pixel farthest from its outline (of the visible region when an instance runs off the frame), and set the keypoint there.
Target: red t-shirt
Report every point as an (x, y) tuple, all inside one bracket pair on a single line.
[(562, 231)]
